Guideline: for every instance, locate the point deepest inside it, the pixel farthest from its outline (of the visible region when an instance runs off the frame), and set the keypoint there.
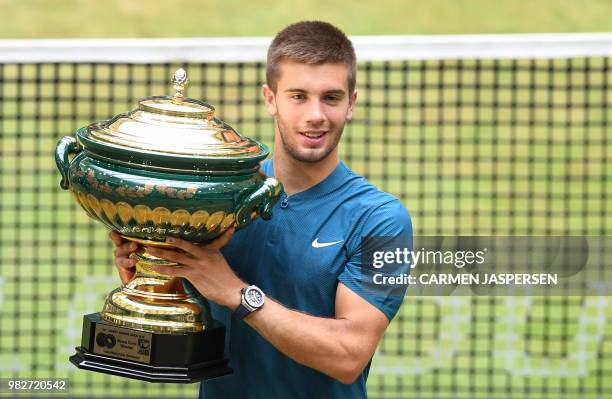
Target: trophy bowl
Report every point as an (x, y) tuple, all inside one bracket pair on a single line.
[(168, 168)]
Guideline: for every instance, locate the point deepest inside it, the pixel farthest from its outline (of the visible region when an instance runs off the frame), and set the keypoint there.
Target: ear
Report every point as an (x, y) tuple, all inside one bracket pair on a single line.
[(349, 112), (270, 100)]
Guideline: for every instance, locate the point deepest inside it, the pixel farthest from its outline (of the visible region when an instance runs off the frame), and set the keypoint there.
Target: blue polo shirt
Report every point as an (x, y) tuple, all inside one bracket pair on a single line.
[(312, 242)]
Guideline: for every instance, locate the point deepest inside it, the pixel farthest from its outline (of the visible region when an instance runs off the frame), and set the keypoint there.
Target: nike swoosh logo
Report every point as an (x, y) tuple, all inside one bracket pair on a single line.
[(317, 244)]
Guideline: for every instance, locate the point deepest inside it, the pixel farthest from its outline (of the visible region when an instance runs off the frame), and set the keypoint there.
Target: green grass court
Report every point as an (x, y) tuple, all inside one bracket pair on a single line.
[(192, 18)]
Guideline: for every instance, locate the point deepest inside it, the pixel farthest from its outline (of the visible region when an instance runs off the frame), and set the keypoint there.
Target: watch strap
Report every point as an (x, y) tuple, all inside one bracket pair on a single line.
[(242, 311)]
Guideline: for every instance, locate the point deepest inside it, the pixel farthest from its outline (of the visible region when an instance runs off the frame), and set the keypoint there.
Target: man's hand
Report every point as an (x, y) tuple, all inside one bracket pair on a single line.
[(123, 248), (205, 267)]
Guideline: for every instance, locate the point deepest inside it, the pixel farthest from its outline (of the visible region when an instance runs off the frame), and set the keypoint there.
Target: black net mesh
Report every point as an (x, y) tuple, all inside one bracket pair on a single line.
[(472, 147)]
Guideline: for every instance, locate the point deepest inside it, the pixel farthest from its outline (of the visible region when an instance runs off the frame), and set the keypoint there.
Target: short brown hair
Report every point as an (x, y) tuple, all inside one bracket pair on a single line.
[(310, 42)]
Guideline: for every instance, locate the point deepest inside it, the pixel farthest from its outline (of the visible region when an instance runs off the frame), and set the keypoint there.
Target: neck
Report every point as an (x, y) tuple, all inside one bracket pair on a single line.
[(298, 176)]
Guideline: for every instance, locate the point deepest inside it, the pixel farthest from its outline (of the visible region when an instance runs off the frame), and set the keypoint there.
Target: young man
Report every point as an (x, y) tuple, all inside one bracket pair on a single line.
[(318, 328)]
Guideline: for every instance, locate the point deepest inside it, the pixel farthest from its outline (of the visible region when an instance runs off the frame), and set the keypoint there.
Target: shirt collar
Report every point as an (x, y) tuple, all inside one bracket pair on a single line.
[(325, 186)]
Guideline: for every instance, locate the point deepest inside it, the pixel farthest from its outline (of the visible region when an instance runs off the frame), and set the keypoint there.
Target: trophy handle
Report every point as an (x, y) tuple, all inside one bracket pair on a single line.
[(65, 146), (262, 200)]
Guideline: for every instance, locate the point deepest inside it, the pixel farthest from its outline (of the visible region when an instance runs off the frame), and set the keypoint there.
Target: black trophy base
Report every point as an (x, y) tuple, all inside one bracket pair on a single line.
[(148, 356)]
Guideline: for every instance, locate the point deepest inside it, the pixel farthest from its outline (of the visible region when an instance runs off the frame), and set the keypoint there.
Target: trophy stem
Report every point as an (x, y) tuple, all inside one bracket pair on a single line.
[(156, 302)]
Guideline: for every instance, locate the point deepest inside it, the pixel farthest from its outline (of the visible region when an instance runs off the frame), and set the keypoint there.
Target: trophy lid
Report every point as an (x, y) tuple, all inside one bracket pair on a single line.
[(174, 134)]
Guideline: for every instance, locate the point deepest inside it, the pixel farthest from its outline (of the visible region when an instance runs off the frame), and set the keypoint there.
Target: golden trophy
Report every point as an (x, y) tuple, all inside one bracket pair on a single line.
[(168, 168)]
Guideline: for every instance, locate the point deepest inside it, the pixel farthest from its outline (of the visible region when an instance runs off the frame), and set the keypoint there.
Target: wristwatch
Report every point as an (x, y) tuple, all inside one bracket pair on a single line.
[(252, 299)]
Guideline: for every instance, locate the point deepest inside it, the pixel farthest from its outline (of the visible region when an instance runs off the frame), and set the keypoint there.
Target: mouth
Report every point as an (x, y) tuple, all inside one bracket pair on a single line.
[(314, 134)]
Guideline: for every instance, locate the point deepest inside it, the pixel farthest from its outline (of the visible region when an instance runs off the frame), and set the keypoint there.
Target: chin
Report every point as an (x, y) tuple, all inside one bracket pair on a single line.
[(310, 157)]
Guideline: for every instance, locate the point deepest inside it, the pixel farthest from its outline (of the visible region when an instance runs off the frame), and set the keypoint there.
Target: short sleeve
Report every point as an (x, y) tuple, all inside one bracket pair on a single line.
[(387, 229)]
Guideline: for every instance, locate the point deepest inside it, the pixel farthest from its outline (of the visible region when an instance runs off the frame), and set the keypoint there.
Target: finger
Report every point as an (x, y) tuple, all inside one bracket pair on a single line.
[(126, 275), (186, 246), (126, 263), (222, 241), (171, 255), (125, 249), (178, 271), (116, 238), (126, 268)]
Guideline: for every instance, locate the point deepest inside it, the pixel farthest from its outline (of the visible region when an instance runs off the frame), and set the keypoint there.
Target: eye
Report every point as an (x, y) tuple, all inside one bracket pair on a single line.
[(298, 96), (332, 98)]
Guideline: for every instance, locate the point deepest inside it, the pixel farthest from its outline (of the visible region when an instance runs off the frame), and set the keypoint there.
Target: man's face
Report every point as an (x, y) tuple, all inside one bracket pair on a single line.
[(310, 107)]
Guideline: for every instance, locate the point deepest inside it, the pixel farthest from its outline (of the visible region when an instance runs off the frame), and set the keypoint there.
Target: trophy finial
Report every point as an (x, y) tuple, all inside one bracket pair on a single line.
[(180, 82)]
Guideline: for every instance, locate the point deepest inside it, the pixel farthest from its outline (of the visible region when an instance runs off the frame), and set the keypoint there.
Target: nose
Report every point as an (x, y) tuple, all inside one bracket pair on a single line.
[(315, 114)]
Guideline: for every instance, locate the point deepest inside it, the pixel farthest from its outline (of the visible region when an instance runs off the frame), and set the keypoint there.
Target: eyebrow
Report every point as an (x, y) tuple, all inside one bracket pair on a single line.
[(336, 91), (333, 91)]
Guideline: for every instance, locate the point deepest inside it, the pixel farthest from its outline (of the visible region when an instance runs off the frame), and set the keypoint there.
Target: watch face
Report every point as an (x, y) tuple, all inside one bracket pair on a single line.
[(254, 297)]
